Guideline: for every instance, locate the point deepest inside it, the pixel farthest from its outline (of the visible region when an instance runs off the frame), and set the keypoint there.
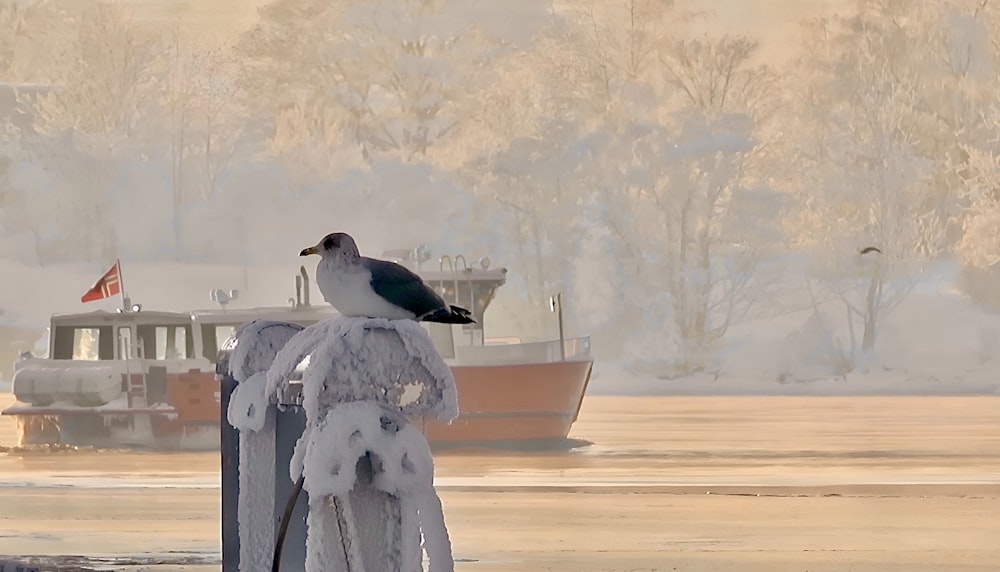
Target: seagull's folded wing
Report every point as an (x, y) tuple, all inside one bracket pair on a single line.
[(398, 285)]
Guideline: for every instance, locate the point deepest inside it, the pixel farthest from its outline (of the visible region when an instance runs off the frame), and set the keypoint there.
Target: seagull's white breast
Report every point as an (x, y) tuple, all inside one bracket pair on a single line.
[(347, 287)]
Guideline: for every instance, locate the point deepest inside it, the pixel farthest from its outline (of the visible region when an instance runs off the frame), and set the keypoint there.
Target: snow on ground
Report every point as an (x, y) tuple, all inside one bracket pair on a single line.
[(613, 378), (935, 342)]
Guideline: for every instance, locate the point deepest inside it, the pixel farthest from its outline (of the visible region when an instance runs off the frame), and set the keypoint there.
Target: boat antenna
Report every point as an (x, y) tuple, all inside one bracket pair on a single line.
[(305, 285)]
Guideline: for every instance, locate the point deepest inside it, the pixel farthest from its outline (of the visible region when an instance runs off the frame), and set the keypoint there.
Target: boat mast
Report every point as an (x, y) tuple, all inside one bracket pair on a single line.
[(121, 285)]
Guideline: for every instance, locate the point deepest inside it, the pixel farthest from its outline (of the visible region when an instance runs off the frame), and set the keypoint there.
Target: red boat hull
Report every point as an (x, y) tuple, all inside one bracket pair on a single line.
[(521, 403), (511, 405)]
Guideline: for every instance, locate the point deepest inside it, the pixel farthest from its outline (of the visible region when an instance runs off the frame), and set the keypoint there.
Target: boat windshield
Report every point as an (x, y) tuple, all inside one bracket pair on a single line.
[(213, 336), (152, 341), (86, 343), (83, 343), (166, 342)]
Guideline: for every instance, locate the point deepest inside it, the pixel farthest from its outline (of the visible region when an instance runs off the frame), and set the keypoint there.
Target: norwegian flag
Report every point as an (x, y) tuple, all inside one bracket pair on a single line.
[(109, 285)]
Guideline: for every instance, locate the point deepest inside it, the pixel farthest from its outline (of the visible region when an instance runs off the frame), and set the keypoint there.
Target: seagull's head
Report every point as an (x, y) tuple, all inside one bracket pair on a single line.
[(336, 245)]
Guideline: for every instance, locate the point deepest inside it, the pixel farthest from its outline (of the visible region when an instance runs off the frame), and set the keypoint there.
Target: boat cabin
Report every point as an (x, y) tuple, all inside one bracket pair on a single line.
[(148, 378), (101, 335)]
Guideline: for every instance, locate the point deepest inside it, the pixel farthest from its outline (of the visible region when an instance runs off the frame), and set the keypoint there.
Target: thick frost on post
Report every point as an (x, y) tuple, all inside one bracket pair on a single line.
[(368, 472), (257, 343), (390, 362)]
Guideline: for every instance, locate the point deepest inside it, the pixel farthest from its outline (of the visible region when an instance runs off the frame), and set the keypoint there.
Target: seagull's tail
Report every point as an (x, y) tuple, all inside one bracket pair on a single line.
[(449, 315)]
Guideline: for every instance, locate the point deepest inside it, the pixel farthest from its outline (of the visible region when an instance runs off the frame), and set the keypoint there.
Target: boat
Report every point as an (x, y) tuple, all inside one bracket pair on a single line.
[(139, 378)]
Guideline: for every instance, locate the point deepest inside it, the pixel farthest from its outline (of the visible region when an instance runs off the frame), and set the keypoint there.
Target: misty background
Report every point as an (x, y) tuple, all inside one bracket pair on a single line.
[(687, 174)]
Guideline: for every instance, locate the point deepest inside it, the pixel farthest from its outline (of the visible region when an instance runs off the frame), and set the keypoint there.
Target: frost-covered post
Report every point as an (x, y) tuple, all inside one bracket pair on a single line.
[(368, 472), (252, 413)]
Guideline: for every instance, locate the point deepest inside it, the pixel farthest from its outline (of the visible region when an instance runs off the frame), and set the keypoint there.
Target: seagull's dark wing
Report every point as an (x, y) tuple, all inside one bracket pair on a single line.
[(399, 285)]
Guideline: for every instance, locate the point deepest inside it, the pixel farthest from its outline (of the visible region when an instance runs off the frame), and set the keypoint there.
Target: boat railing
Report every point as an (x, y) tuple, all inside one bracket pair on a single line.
[(577, 349)]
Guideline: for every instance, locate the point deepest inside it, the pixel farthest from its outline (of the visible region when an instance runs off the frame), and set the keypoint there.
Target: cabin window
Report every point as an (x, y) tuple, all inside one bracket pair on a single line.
[(125, 347), (166, 342), (171, 342), (213, 337), (83, 343)]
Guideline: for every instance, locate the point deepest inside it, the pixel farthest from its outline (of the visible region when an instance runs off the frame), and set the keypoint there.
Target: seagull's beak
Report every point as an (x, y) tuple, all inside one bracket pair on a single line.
[(308, 251)]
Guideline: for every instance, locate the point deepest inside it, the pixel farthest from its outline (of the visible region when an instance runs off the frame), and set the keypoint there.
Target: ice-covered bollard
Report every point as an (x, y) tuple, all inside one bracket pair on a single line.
[(368, 471), (251, 411)]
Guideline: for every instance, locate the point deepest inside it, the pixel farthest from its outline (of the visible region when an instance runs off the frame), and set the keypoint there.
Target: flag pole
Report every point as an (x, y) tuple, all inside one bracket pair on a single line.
[(121, 283)]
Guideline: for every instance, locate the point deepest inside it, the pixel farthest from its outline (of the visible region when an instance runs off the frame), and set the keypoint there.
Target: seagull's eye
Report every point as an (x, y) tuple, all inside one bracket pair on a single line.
[(329, 243)]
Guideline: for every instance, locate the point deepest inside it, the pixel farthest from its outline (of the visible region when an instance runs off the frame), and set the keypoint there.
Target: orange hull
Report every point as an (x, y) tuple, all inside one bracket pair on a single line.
[(513, 403), (519, 405)]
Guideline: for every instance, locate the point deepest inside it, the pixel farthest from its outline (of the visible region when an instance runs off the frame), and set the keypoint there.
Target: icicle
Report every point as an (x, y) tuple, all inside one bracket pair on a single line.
[(437, 544)]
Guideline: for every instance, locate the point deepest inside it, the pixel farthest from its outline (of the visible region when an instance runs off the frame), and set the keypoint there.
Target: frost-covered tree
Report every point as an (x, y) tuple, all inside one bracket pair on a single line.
[(394, 77), (692, 225), (966, 113), (952, 54), (12, 27), (110, 83), (979, 248), (200, 122), (669, 181), (532, 181), (92, 120), (33, 33), (980, 243), (717, 75), (864, 180), (617, 44)]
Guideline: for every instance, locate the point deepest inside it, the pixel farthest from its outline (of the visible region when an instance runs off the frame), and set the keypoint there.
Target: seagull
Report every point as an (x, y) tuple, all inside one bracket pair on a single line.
[(868, 249), (359, 286)]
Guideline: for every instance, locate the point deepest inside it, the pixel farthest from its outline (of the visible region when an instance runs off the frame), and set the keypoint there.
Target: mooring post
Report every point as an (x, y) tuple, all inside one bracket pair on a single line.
[(330, 403), (230, 449)]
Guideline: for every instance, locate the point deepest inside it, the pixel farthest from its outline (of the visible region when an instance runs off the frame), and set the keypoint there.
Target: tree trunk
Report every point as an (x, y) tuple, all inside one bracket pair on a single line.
[(178, 184), (872, 308)]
